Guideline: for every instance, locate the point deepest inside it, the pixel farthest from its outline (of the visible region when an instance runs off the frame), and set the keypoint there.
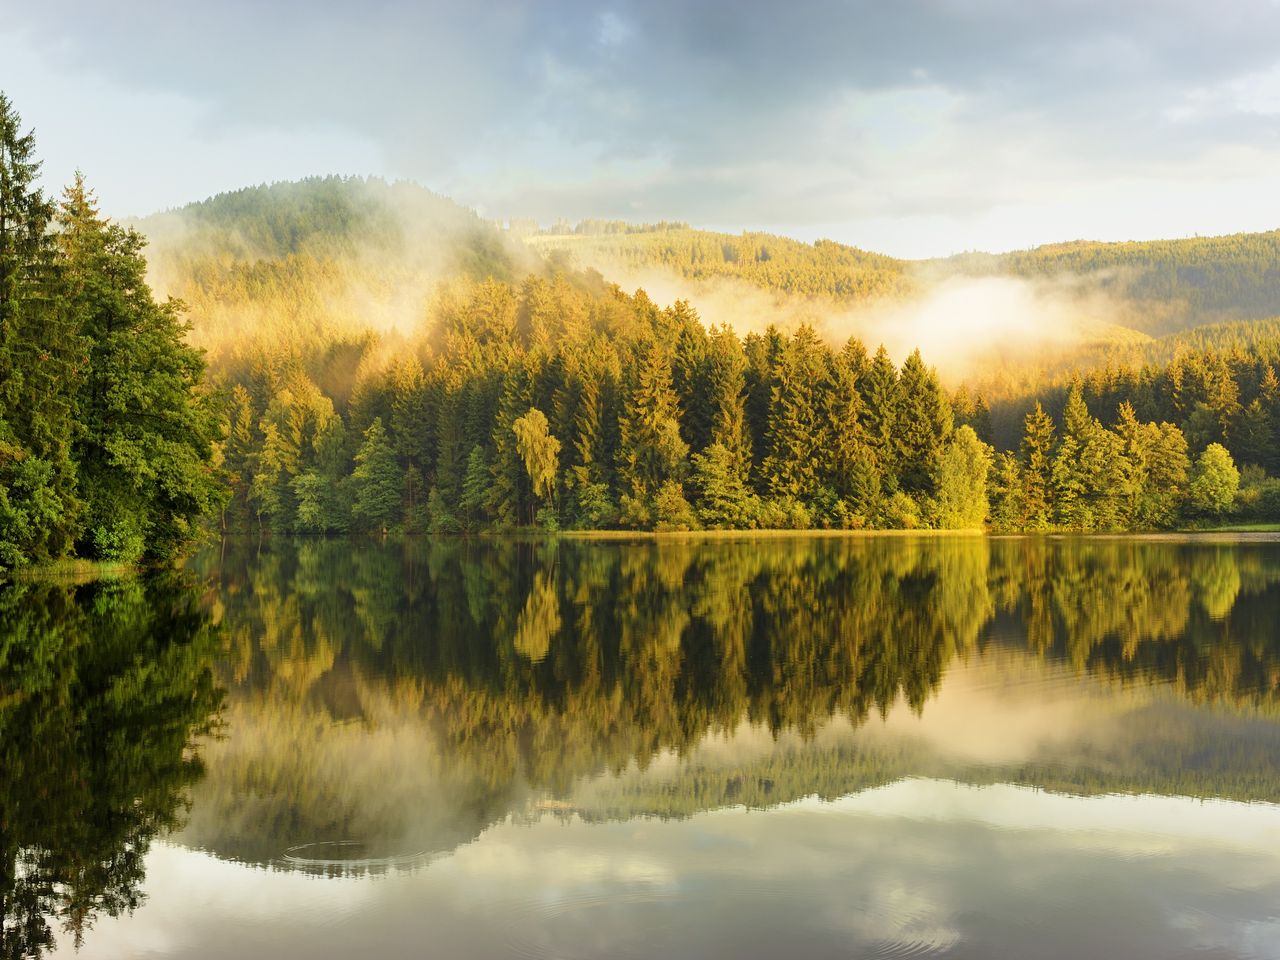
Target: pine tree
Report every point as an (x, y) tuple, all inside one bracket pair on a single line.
[(474, 500), (923, 425), (850, 464), (377, 481), (689, 375), (880, 405), (1037, 471), (41, 362), (1005, 487), (651, 451), (238, 453), (722, 498), (726, 374), (144, 453), (798, 432)]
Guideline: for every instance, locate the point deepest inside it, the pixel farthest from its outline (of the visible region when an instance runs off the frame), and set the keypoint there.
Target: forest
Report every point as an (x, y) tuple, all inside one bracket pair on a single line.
[(342, 355)]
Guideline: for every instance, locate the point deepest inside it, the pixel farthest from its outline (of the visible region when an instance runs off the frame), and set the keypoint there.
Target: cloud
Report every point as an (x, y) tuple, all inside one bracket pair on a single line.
[(747, 113)]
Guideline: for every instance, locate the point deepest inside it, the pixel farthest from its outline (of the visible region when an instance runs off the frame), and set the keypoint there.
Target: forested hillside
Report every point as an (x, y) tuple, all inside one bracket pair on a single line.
[(472, 386), (1174, 284), (1157, 287), (822, 269), (319, 259)]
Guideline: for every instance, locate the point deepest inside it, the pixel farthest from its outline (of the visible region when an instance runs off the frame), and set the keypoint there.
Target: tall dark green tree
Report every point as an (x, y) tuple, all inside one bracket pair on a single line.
[(377, 481), (143, 453), (923, 425), (798, 431), (41, 362)]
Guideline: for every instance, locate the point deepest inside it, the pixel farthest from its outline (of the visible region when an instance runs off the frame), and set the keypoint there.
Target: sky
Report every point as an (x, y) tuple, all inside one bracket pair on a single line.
[(916, 128)]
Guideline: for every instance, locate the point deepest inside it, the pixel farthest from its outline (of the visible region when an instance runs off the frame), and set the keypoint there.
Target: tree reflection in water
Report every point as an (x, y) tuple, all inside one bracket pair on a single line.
[(102, 687)]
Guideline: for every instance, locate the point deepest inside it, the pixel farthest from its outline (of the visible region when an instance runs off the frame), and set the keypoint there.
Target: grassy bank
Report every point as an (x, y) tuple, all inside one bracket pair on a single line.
[(69, 571)]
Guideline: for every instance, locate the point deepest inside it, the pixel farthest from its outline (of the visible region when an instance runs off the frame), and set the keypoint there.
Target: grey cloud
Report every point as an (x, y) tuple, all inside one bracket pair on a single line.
[(707, 100)]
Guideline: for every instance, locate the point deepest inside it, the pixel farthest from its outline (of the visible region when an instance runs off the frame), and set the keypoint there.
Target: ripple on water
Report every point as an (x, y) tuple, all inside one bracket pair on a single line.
[(347, 856)]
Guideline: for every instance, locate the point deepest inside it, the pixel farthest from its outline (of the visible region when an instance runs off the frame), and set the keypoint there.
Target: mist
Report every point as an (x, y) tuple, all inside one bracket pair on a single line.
[(368, 258), (967, 327)]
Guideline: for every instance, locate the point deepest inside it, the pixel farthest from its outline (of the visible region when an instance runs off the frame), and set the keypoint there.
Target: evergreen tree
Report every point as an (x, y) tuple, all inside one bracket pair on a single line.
[(680, 326), (143, 454), (722, 499), (41, 362), (923, 424), (880, 405), (475, 489), (850, 464), (651, 451), (798, 433), (1037, 471), (237, 455), (1005, 488), (377, 481), (726, 375)]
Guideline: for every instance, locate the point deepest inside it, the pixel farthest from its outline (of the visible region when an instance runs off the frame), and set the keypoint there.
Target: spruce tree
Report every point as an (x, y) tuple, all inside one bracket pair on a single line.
[(651, 450), (377, 481), (798, 431), (143, 455), (1037, 470), (41, 361), (880, 392), (923, 424), (850, 464), (726, 374)]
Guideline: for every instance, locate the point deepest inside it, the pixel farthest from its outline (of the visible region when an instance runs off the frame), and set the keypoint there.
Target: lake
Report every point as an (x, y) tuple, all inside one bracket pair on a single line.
[(878, 746)]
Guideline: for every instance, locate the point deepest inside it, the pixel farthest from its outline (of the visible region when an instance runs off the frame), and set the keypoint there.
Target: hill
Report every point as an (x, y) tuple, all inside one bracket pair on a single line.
[(319, 258), (1160, 286)]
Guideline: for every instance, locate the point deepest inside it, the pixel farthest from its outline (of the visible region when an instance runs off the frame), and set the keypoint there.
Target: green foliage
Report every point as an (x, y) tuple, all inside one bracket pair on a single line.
[(1214, 481), (960, 501), (1037, 471), (106, 431), (144, 451), (377, 481), (723, 499), (671, 511), (539, 450)]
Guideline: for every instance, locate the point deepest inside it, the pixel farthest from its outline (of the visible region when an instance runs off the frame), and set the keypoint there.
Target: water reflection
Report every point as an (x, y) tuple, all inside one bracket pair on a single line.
[(402, 697), (101, 689)]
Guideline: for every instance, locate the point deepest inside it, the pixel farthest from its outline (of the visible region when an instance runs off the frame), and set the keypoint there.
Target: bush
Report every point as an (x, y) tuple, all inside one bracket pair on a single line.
[(672, 510), (119, 542)]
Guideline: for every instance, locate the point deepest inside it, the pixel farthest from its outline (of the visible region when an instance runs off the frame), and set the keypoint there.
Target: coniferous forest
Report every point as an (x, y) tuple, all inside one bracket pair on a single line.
[(351, 356)]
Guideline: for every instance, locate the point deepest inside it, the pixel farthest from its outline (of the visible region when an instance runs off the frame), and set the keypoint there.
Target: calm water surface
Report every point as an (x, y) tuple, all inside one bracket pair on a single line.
[(829, 747)]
